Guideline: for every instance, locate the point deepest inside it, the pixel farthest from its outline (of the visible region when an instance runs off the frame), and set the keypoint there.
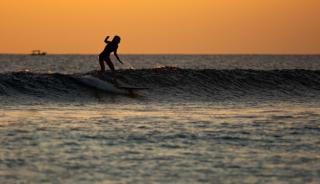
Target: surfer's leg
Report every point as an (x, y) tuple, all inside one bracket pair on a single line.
[(113, 73), (110, 64), (101, 62)]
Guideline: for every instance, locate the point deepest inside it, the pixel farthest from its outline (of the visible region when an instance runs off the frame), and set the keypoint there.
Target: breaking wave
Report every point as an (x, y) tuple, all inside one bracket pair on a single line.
[(173, 83)]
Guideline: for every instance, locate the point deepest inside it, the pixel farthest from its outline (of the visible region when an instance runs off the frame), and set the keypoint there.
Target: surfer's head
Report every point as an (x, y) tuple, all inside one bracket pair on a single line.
[(116, 39)]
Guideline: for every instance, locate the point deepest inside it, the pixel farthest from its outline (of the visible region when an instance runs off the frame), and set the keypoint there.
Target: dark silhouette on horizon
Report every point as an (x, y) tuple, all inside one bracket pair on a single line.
[(112, 46), (38, 53)]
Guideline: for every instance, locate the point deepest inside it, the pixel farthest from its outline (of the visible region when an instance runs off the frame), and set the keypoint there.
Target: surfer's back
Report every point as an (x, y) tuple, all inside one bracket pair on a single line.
[(110, 47)]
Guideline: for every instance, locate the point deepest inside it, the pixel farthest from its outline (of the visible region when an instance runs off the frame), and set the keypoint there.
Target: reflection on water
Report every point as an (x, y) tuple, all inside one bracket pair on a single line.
[(178, 143)]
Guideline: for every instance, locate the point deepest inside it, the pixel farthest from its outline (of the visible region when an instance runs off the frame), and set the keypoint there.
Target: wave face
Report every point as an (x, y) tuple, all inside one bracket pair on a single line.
[(173, 83)]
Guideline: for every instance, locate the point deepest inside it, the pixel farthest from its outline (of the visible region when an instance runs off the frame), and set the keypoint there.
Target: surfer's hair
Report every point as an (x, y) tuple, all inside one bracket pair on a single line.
[(116, 39)]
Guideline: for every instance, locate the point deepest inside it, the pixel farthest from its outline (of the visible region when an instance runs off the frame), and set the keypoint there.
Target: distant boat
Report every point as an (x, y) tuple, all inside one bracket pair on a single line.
[(38, 53)]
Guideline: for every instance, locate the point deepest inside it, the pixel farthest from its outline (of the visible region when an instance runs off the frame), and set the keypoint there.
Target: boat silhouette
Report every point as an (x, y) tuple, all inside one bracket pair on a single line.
[(38, 53)]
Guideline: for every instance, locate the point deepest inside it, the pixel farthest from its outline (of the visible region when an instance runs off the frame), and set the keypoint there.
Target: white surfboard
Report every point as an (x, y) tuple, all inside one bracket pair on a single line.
[(101, 85)]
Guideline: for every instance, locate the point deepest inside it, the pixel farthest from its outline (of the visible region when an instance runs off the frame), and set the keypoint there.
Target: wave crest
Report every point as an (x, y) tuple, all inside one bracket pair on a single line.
[(170, 81)]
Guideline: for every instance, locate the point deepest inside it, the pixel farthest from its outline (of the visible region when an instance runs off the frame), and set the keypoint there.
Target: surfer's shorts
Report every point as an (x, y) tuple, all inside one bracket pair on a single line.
[(103, 57)]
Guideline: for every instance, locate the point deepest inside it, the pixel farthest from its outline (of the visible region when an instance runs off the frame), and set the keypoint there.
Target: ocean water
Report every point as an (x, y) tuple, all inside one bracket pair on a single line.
[(204, 119)]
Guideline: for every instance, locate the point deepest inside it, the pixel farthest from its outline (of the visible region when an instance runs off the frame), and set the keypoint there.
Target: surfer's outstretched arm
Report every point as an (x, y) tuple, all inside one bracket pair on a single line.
[(106, 40), (115, 54)]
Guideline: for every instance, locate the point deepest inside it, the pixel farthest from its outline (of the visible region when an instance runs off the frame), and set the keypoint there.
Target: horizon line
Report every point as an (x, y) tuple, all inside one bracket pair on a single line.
[(293, 54)]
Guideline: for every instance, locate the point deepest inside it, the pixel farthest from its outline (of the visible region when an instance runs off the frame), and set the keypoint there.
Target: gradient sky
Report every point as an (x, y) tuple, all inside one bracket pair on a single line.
[(161, 26)]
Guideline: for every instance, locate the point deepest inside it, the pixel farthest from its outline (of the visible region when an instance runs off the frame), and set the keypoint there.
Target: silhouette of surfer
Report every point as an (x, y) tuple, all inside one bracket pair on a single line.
[(112, 46)]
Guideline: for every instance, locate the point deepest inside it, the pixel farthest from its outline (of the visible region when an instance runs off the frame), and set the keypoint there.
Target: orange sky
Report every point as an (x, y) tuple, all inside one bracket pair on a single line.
[(161, 26)]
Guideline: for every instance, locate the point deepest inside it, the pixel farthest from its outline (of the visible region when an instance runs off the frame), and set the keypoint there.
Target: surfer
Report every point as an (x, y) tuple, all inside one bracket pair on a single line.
[(112, 46)]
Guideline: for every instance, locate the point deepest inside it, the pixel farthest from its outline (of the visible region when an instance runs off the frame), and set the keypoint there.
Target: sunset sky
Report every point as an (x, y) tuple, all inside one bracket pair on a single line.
[(161, 26)]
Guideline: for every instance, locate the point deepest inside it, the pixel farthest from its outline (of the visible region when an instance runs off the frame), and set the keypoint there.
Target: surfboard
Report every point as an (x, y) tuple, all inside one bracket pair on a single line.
[(107, 86)]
